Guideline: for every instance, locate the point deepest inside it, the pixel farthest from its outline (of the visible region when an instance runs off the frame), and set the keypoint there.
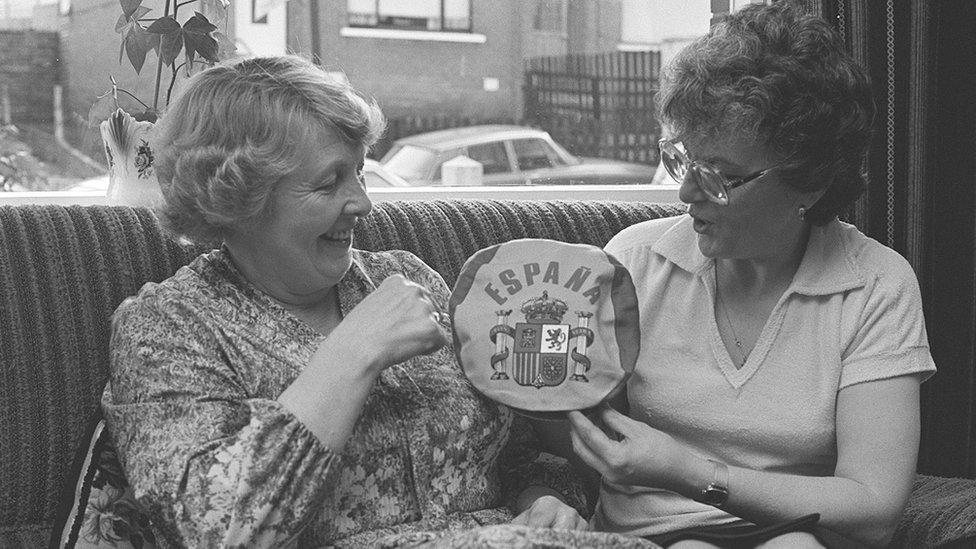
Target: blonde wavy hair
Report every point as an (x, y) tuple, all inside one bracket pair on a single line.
[(223, 145)]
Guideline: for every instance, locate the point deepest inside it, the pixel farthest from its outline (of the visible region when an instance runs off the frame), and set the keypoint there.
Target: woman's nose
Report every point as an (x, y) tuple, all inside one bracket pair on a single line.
[(689, 191), (358, 202)]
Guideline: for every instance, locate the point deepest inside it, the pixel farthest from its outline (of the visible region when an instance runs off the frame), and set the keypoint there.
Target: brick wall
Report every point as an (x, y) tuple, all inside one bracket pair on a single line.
[(431, 78), (29, 68)]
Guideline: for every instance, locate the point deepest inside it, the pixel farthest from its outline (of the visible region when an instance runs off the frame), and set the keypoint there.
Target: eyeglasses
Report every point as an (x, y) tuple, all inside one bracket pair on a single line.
[(712, 182)]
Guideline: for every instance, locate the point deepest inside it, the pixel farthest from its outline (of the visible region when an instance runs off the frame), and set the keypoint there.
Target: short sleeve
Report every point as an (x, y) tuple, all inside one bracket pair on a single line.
[(890, 338)]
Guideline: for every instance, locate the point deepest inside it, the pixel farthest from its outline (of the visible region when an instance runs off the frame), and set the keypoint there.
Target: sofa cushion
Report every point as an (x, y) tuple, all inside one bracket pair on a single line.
[(63, 270), (98, 507), (940, 513)]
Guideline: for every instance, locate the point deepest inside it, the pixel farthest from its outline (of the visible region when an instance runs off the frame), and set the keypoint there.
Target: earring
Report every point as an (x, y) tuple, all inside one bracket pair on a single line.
[(802, 213)]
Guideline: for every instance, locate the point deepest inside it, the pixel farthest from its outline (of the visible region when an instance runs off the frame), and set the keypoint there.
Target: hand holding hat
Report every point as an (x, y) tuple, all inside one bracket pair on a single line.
[(544, 326)]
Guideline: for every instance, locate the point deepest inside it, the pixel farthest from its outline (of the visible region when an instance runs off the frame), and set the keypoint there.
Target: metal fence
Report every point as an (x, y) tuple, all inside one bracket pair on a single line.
[(594, 105), (597, 105)]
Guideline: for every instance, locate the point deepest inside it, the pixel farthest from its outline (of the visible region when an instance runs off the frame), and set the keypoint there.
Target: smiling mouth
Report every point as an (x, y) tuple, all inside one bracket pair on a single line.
[(338, 236), (700, 224)]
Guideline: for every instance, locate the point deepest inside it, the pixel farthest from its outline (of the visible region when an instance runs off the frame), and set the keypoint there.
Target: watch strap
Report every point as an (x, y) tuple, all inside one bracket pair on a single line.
[(716, 493)]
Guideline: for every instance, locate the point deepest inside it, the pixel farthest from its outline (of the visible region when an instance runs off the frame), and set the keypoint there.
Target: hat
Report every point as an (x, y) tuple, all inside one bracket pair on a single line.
[(544, 326)]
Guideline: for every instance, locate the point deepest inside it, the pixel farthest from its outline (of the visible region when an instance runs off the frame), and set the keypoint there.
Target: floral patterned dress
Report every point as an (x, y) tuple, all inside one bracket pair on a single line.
[(197, 362)]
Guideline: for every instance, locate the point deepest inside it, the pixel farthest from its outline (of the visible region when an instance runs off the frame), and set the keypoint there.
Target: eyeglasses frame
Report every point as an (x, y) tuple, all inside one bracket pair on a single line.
[(728, 183)]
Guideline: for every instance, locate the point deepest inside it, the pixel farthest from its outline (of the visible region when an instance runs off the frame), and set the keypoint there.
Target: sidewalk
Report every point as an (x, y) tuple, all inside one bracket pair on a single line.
[(32, 160)]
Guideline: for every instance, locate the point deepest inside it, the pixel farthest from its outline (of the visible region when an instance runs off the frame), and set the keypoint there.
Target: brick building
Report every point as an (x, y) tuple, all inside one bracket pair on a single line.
[(463, 58)]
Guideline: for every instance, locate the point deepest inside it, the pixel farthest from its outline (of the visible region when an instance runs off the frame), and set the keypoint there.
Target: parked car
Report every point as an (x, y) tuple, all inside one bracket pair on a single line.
[(509, 155), (376, 176)]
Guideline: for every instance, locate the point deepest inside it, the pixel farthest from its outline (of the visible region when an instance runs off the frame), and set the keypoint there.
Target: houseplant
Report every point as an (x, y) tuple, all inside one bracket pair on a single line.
[(125, 132)]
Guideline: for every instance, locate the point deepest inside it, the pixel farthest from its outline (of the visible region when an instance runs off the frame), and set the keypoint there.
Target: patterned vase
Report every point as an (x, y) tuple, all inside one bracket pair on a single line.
[(132, 178)]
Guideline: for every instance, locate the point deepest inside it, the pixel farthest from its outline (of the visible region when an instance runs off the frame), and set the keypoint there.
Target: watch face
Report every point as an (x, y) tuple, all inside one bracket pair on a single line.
[(715, 495)]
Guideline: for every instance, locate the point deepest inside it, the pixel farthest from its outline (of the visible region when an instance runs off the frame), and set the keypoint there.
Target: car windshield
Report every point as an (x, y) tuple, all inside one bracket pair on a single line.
[(374, 179), (410, 162), (564, 154)]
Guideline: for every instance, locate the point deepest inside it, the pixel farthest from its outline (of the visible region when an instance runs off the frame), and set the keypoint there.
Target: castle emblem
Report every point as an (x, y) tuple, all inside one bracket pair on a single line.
[(542, 345)]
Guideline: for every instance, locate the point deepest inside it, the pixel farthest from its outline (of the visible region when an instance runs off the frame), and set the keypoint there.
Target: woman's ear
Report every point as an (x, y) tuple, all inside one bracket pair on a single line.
[(807, 199)]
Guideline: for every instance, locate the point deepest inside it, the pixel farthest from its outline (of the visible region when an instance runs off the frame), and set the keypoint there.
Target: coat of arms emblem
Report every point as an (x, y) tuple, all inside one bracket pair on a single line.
[(541, 347)]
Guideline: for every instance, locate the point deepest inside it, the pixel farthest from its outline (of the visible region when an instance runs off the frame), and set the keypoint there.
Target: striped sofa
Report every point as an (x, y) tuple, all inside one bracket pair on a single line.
[(64, 269)]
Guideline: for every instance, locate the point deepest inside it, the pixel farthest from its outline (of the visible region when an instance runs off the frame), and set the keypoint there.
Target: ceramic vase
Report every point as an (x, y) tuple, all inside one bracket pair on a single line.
[(132, 176)]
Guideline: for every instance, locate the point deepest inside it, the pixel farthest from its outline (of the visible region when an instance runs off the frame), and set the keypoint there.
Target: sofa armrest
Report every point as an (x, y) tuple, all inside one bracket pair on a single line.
[(941, 512)]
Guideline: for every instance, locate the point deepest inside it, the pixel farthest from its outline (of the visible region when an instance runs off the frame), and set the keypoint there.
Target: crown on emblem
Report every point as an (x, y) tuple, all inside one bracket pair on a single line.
[(540, 310)]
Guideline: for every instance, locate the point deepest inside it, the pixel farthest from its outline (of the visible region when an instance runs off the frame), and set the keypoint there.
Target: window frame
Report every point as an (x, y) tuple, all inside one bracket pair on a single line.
[(506, 151), (662, 194), (387, 27), (263, 20), (563, 18), (550, 152)]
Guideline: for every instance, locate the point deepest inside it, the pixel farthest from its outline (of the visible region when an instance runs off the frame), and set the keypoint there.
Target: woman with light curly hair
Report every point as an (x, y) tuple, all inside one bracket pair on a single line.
[(782, 349), (287, 389)]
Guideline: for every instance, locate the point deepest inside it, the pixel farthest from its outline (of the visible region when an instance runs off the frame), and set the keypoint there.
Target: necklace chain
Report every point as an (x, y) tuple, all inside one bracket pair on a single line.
[(728, 320)]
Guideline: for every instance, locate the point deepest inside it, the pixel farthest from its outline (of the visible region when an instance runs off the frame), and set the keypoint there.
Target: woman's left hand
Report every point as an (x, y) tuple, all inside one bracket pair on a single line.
[(551, 512), (643, 455)]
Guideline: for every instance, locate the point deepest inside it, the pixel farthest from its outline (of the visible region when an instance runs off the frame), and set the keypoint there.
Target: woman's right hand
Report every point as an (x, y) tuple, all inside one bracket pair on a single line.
[(638, 454), (395, 322)]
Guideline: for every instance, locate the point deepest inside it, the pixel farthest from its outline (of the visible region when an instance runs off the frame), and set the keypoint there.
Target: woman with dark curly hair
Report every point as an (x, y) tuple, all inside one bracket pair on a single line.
[(782, 350)]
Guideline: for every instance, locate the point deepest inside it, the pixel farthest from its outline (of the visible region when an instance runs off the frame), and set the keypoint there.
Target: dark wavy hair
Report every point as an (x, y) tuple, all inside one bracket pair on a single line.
[(782, 78), (224, 144)]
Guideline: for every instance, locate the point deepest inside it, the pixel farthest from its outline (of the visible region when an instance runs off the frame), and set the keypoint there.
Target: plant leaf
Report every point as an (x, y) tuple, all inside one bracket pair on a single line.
[(198, 24), (129, 7), (170, 46), (148, 115), (196, 36), (124, 23), (136, 53), (150, 41), (170, 38), (140, 12), (165, 25), (136, 46)]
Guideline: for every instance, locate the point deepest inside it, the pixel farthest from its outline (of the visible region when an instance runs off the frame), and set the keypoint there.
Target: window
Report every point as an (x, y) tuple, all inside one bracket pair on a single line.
[(492, 156), (410, 162), (550, 16), (263, 20), (422, 15), (533, 154)]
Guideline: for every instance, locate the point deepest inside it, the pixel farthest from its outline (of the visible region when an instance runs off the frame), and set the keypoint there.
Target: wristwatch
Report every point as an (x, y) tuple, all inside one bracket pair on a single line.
[(716, 493)]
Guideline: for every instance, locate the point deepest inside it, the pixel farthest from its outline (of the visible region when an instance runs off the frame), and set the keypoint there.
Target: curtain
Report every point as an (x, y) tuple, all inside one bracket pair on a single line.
[(921, 197)]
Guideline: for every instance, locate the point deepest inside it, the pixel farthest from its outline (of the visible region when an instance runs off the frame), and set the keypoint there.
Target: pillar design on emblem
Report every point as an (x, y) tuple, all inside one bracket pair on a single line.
[(584, 338), (499, 360)]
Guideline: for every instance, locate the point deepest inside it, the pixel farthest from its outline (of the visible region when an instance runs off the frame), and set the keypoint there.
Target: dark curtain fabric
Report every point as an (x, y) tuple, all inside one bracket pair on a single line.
[(921, 197)]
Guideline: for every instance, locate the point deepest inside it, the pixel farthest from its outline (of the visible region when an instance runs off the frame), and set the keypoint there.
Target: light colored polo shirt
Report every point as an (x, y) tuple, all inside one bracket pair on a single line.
[(852, 314)]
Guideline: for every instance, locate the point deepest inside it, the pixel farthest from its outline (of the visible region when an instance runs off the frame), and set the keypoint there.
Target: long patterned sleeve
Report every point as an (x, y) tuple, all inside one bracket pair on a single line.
[(523, 464), (216, 462)]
